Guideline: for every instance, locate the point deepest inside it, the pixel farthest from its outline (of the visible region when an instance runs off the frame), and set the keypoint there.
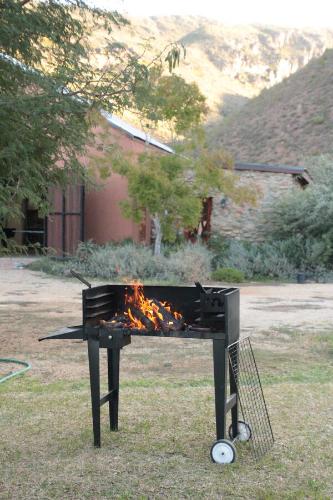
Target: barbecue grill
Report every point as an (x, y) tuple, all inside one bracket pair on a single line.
[(211, 314)]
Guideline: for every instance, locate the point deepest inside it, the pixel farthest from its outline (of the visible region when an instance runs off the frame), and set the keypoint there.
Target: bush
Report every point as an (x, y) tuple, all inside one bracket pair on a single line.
[(112, 262), (129, 261), (218, 243), (51, 265), (228, 274), (271, 261), (190, 263), (306, 254), (302, 219), (257, 260), (276, 259)]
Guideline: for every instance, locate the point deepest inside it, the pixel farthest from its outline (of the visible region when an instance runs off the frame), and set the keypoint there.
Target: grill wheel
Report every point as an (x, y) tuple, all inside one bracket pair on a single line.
[(223, 451)]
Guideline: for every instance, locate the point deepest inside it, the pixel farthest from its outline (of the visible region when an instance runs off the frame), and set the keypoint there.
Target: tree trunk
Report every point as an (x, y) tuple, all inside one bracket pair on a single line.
[(158, 235)]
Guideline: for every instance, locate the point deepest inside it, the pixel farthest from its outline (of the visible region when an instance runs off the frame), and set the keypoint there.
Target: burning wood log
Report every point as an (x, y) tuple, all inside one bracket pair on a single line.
[(139, 315), (150, 313), (165, 318)]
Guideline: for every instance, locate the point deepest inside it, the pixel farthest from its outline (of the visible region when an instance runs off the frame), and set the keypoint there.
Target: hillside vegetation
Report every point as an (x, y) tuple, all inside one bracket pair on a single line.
[(286, 123)]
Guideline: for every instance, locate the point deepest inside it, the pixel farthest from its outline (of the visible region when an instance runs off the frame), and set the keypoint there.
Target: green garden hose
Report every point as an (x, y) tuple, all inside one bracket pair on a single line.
[(26, 365)]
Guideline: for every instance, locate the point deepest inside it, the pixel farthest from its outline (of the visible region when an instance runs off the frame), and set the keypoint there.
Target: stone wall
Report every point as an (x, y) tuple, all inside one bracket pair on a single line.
[(245, 221)]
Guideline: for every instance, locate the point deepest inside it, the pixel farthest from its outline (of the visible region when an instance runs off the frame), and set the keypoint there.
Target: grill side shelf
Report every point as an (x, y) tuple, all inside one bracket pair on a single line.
[(70, 332)]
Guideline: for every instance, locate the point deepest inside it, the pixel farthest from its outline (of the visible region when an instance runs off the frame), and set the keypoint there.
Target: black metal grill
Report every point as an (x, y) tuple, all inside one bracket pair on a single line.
[(211, 313)]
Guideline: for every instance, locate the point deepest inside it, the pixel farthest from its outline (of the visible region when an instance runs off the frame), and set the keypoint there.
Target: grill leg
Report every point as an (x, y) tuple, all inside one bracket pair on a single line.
[(93, 354), (113, 379), (234, 409), (220, 380)]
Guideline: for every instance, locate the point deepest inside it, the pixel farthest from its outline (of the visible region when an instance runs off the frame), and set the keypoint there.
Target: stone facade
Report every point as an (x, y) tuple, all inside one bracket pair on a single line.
[(246, 221)]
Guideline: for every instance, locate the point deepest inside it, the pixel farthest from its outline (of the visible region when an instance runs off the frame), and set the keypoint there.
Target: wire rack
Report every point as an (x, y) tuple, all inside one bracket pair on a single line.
[(251, 397)]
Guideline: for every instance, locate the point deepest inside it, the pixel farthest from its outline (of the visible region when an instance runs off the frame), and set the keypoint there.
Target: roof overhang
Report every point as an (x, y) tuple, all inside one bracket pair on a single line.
[(300, 173), (134, 132)]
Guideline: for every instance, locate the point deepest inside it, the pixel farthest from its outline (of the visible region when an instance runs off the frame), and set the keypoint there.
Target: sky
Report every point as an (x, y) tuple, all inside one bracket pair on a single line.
[(292, 13)]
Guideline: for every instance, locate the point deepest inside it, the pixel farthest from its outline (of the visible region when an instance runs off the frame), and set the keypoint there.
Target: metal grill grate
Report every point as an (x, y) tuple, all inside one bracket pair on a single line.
[(251, 397)]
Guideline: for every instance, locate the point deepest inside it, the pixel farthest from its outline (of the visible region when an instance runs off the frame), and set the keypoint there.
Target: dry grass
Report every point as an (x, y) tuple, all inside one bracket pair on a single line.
[(166, 421)]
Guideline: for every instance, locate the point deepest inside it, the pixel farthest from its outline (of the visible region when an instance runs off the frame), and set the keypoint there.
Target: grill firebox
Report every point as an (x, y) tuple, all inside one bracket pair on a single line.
[(209, 314)]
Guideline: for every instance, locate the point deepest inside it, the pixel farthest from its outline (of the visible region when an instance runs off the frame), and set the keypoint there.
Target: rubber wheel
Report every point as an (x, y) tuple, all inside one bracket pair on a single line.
[(223, 451), (244, 432)]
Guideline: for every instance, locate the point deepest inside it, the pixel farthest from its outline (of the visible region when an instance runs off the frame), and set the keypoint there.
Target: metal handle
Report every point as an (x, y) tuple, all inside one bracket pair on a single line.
[(79, 277), (200, 287)]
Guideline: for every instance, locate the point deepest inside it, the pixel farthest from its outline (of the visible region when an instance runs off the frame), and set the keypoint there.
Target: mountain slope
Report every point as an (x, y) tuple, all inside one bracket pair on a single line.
[(286, 123), (229, 63)]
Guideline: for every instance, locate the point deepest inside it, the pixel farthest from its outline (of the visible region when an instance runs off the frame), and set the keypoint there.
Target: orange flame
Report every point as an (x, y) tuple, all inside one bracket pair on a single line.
[(149, 308)]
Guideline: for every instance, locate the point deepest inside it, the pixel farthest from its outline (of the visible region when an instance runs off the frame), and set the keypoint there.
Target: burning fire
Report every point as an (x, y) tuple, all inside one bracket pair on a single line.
[(145, 313)]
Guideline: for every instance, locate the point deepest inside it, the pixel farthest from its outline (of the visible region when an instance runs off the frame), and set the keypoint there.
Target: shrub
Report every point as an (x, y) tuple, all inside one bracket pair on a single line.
[(121, 261), (190, 263), (218, 243), (318, 119), (302, 219), (50, 265), (257, 260), (271, 261), (228, 274), (129, 261), (239, 256), (85, 249)]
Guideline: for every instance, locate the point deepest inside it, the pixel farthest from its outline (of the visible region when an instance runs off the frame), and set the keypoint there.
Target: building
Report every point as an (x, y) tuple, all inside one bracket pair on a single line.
[(79, 214), (271, 182)]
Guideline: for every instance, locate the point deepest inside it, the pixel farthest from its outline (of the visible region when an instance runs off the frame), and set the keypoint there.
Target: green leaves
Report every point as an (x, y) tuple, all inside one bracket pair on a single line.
[(171, 100), (173, 55), (50, 89)]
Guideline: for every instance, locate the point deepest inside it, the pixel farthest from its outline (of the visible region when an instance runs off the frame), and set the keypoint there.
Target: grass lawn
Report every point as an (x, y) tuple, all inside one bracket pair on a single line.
[(166, 423)]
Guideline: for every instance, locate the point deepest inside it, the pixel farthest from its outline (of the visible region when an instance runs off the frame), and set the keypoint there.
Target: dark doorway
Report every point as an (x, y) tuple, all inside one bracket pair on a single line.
[(34, 227)]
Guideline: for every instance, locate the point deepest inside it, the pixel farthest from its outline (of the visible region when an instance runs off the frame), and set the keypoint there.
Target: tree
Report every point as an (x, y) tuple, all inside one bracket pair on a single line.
[(169, 100), (50, 86), (171, 187)]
